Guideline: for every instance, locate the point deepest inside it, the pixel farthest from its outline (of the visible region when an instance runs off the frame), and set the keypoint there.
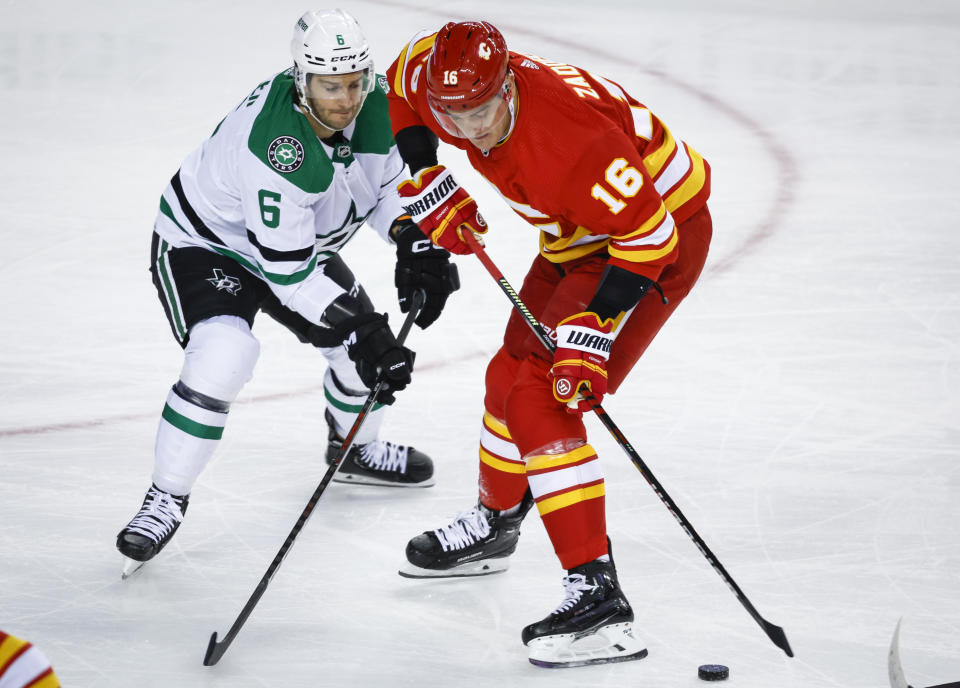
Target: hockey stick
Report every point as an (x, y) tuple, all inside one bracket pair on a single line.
[(774, 632), (895, 670), (215, 649)]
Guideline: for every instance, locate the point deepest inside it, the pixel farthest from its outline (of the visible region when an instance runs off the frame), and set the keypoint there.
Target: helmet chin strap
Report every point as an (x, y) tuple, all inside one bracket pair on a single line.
[(324, 124), (304, 104), (513, 120), (511, 109)]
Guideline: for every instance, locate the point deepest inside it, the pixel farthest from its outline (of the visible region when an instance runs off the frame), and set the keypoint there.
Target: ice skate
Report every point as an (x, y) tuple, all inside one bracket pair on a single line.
[(478, 542), (379, 463), (151, 529), (593, 624)]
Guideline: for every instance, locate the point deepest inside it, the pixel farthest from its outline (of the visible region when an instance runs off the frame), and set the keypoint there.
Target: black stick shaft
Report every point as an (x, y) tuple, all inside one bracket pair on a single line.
[(215, 649), (774, 632)]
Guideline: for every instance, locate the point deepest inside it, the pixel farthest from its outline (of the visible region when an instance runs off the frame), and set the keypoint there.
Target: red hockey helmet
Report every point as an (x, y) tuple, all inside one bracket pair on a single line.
[(467, 68)]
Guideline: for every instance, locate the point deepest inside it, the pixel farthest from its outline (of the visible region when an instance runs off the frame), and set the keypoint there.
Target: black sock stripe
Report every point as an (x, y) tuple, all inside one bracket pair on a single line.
[(194, 397), (344, 390)]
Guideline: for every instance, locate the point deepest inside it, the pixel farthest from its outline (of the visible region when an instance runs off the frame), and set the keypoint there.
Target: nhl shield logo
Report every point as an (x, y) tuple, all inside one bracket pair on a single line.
[(285, 154), (384, 86)]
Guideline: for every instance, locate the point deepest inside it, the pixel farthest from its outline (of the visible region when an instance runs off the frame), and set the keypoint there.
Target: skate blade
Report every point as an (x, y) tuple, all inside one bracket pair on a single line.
[(484, 567), (613, 643), (130, 567), (354, 479)]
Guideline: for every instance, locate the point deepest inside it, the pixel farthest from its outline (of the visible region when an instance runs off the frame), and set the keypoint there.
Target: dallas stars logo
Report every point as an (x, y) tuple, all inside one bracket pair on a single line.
[(285, 154), (226, 283)]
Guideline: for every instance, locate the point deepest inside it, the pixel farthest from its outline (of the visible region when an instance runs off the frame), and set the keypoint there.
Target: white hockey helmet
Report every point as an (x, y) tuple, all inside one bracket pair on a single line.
[(329, 42)]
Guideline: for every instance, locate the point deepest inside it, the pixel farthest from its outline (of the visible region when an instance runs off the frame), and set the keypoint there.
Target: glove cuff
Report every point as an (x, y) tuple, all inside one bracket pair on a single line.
[(358, 327), (438, 169), (433, 186), (586, 332)]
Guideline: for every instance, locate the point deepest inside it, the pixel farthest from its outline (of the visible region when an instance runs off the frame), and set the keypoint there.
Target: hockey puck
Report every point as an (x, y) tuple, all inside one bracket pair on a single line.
[(713, 672)]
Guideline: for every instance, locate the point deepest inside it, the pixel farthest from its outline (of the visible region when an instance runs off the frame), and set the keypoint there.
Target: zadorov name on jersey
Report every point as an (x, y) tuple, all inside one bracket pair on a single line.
[(585, 340), (425, 203)]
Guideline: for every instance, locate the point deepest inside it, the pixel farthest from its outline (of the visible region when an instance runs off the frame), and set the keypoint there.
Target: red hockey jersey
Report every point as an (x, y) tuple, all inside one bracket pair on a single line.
[(586, 164)]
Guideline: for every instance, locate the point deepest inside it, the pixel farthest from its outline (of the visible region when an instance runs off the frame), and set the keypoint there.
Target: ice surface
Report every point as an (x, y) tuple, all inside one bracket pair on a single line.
[(802, 407)]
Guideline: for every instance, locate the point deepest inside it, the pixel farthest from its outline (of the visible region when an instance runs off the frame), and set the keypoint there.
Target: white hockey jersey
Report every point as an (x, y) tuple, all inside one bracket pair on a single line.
[(266, 192)]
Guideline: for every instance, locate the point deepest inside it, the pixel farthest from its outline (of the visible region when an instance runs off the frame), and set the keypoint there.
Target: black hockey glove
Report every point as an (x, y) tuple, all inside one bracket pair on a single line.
[(421, 265), (377, 354)]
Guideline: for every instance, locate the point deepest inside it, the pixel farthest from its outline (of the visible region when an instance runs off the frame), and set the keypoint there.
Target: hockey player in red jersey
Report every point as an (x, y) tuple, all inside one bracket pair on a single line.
[(620, 204)]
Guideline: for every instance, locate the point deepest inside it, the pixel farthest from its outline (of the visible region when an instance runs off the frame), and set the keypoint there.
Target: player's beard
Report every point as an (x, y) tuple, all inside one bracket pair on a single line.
[(335, 118)]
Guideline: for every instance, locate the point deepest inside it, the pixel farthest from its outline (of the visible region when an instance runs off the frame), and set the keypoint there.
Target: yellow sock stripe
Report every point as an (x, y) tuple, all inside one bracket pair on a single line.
[(8, 648), (570, 498), (499, 464), (496, 425), (48, 681), (536, 463)]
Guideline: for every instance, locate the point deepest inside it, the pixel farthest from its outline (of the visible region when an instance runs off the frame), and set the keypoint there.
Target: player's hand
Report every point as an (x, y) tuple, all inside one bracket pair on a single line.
[(580, 361), (421, 265), (442, 208), (378, 355)]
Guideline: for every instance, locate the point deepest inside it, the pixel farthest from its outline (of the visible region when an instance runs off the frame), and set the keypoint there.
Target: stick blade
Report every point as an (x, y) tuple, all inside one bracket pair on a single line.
[(214, 651), (779, 638), (894, 668)]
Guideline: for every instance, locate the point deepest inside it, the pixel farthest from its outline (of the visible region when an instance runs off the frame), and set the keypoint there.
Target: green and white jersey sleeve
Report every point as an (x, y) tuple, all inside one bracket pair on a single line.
[(266, 192)]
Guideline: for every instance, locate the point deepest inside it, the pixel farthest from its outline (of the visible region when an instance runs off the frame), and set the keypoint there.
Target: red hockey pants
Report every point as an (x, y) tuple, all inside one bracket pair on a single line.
[(519, 394)]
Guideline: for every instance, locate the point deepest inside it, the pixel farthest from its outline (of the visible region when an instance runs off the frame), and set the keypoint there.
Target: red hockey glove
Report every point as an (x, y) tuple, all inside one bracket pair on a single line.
[(583, 347), (441, 208)]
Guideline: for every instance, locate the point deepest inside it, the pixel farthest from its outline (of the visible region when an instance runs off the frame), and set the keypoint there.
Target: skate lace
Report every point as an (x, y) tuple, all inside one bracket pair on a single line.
[(573, 587), (158, 516), (466, 529), (385, 456)]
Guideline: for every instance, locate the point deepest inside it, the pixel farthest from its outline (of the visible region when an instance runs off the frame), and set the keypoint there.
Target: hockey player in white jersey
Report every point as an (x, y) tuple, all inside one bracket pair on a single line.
[(253, 221)]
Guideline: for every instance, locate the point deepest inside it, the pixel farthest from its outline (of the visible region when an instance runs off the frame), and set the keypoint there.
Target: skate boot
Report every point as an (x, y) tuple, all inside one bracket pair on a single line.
[(379, 463), (478, 542), (593, 624), (151, 529)]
